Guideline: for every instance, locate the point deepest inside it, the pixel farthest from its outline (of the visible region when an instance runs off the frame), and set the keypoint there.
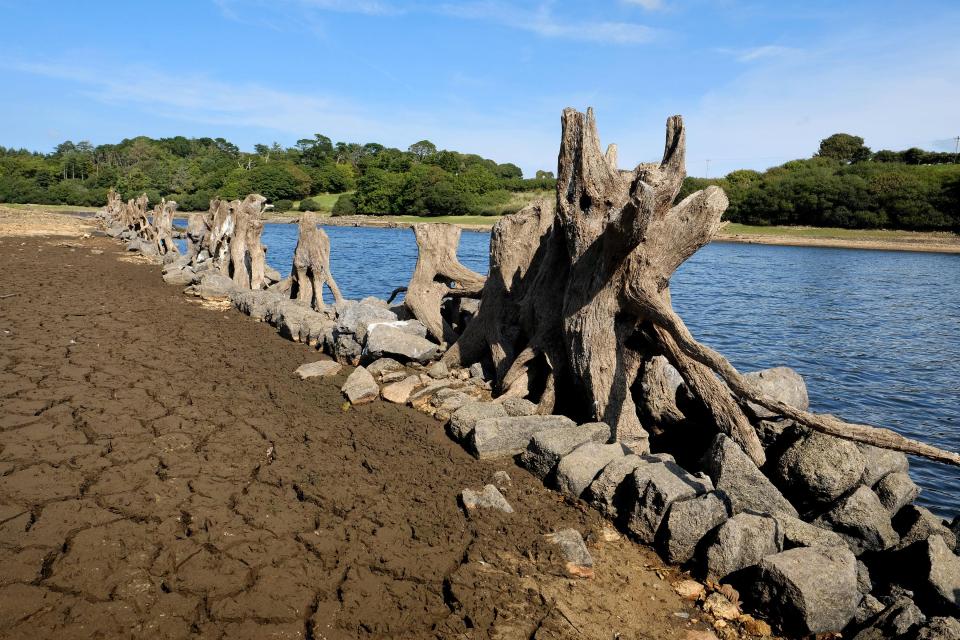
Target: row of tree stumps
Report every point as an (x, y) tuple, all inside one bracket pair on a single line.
[(574, 318)]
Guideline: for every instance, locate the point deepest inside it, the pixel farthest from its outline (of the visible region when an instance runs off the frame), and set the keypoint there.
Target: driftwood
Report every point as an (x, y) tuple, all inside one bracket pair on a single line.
[(311, 265), (577, 300), (438, 274), (163, 227)]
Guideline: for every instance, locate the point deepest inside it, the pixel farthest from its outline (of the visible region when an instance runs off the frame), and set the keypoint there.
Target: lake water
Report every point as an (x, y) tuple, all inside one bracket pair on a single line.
[(876, 334)]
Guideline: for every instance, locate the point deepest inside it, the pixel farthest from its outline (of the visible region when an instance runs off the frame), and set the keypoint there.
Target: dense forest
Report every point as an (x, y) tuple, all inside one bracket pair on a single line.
[(372, 177), (844, 185)]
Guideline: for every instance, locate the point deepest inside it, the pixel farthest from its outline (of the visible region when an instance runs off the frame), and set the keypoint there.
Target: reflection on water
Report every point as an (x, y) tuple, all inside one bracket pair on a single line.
[(875, 334)]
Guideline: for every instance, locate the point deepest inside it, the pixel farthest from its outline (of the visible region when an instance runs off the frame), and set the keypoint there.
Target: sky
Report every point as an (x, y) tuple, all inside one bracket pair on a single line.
[(758, 82)]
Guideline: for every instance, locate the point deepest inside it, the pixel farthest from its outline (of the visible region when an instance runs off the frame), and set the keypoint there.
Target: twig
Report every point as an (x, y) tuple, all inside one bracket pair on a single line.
[(8, 295)]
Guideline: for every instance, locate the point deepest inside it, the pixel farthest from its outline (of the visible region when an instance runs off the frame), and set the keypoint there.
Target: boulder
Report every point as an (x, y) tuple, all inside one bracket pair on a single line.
[(932, 570), (489, 498), (259, 305), (213, 286), (318, 368), (797, 533), (500, 437), (463, 419), (809, 590), (577, 469), (880, 462), (743, 541), (355, 317), (399, 392), (519, 407), (940, 628), (688, 522), (610, 491), (379, 367), (425, 395), (899, 619), (861, 521), (914, 523), (896, 490), (780, 383), (864, 583), (955, 529), (360, 387), (175, 263), (657, 486), (819, 468), (438, 370), (868, 608), (344, 346), (738, 477), (181, 277), (545, 449), (387, 340), (579, 562)]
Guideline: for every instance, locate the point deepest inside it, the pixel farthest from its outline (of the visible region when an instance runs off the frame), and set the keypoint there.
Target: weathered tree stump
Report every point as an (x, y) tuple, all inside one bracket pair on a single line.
[(241, 238), (163, 227), (438, 274), (578, 299), (198, 234), (311, 265)]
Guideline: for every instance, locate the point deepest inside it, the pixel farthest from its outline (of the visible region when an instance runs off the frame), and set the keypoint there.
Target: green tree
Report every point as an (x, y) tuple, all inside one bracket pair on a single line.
[(844, 147), (422, 150)]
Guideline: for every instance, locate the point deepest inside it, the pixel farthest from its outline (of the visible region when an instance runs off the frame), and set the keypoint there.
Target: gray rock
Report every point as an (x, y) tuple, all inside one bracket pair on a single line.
[(897, 620), (318, 368), (387, 340), (864, 583), (932, 570), (399, 392), (181, 278), (780, 383), (499, 437), (463, 419), (688, 522), (355, 317), (345, 346), (438, 370), (861, 521), (868, 608), (915, 523), (384, 365), (611, 491), (579, 562), (502, 479), (577, 469), (657, 486), (809, 590), (661, 383), (176, 263), (955, 529), (819, 468), (896, 490), (736, 475), (360, 387), (797, 533), (426, 395), (520, 407), (940, 628), (743, 541), (213, 286), (880, 462), (259, 305), (476, 370), (489, 498), (545, 449)]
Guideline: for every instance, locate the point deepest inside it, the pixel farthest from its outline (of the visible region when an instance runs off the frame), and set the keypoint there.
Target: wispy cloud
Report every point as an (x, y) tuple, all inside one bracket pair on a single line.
[(766, 51), (649, 5)]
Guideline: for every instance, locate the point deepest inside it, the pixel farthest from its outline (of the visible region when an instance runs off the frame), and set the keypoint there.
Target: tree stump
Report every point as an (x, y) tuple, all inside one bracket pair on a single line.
[(311, 265), (163, 226), (242, 232), (198, 235), (438, 274)]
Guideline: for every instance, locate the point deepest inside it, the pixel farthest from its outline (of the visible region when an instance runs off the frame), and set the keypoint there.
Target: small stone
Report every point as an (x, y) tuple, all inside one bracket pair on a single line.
[(755, 627), (489, 498), (360, 387), (399, 392), (690, 590), (476, 370), (318, 368), (577, 469), (502, 479), (395, 376), (519, 407), (438, 370), (574, 551), (384, 365), (721, 608)]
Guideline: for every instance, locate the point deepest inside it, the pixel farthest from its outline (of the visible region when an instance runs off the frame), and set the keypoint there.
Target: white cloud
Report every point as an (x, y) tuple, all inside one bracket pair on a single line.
[(649, 5), (766, 51)]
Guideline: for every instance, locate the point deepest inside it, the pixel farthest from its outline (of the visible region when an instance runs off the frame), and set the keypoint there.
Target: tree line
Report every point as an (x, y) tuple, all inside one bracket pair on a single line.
[(373, 178), (847, 185)]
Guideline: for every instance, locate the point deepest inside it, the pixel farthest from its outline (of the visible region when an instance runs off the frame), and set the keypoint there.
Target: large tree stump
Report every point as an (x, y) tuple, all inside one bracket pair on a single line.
[(198, 234), (438, 274), (311, 265), (577, 300), (242, 240), (163, 226)]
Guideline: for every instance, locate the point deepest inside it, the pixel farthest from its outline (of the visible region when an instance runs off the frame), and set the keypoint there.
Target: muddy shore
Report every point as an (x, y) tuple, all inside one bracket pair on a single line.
[(164, 475)]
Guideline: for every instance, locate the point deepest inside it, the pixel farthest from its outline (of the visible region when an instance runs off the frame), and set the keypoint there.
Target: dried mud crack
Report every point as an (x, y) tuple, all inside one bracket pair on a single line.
[(163, 475)]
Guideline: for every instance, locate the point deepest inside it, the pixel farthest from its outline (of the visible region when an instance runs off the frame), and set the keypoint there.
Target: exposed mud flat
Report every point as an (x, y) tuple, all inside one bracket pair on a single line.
[(163, 474)]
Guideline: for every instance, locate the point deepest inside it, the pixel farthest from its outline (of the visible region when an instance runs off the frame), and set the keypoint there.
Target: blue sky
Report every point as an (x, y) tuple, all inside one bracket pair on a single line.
[(759, 82)]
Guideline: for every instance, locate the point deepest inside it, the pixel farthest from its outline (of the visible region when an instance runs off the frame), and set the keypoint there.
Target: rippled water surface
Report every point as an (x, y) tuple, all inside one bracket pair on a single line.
[(876, 334)]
